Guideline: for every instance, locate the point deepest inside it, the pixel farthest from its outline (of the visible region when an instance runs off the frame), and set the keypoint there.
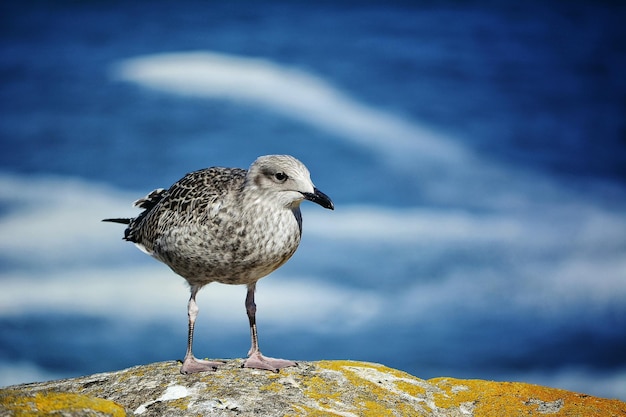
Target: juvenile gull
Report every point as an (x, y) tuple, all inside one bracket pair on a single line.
[(227, 225)]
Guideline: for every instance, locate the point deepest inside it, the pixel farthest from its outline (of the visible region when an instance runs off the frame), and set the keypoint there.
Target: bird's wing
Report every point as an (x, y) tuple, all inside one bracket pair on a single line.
[(196, 197), (202, 192)]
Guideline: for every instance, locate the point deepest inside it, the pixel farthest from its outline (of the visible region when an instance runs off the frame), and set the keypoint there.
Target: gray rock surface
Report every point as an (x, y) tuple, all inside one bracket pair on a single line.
[(325, 388)]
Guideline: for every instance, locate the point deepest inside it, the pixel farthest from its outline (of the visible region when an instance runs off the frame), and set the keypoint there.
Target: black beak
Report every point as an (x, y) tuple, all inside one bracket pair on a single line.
[(320, 198)]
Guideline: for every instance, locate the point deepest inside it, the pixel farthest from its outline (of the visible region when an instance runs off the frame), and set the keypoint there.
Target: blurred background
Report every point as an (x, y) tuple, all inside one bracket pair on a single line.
[(475, 152)]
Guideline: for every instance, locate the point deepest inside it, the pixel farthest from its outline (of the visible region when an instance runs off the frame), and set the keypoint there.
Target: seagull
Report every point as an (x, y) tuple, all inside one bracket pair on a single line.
[(227, 225)]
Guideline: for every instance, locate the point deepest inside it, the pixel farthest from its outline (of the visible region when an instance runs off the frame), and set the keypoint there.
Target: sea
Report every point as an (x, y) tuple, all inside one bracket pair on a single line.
[(475, 152)]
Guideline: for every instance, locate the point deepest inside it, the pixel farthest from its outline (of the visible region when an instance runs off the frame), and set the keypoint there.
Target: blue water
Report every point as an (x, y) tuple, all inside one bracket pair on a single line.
[(475, 151)]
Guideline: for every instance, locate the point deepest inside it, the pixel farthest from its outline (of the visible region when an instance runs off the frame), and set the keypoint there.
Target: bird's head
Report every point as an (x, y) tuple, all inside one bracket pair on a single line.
[(287, 178)]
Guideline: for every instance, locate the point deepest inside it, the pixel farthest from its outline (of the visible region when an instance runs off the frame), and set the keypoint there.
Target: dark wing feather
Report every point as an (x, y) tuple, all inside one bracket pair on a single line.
[(150, 200)]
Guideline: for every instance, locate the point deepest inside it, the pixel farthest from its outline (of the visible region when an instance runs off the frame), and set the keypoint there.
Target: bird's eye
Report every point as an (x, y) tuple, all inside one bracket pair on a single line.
[(280, 176)]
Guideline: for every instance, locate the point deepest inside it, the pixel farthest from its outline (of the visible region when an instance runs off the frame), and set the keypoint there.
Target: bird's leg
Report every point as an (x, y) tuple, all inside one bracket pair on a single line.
[(255, 358), (190, 363)]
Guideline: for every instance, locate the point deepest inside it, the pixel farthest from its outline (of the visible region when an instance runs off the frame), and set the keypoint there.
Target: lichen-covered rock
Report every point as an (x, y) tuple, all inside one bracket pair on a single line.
[(49, 403), (326, 388)]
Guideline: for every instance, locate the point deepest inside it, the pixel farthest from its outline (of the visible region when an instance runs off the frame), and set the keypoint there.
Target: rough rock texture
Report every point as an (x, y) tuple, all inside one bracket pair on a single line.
[(326, 388)]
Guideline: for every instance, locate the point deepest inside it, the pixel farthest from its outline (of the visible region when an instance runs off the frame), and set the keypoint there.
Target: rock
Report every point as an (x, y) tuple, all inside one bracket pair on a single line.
[(325, 388)]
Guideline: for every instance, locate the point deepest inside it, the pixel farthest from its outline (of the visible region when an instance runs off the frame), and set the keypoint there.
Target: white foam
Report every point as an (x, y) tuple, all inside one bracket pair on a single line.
[(156, 293), (52, 220), (417, 225), (291, 92), (62, 232)]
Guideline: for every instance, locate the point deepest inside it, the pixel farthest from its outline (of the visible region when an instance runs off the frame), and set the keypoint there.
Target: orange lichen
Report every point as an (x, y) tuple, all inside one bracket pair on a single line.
[(520, 399), (45, 403), (273, 387)]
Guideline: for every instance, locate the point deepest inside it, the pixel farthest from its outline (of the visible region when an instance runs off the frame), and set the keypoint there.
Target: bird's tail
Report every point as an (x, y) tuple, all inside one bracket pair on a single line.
[(119, 220), (147, 203)]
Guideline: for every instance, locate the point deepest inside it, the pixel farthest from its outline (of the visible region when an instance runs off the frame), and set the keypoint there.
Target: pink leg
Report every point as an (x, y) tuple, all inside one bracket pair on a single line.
[(192, 365), (255, 358)]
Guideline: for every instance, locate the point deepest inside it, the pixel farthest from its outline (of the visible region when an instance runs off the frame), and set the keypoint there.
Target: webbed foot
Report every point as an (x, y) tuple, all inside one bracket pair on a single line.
[(192, 365), (258, 361)]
